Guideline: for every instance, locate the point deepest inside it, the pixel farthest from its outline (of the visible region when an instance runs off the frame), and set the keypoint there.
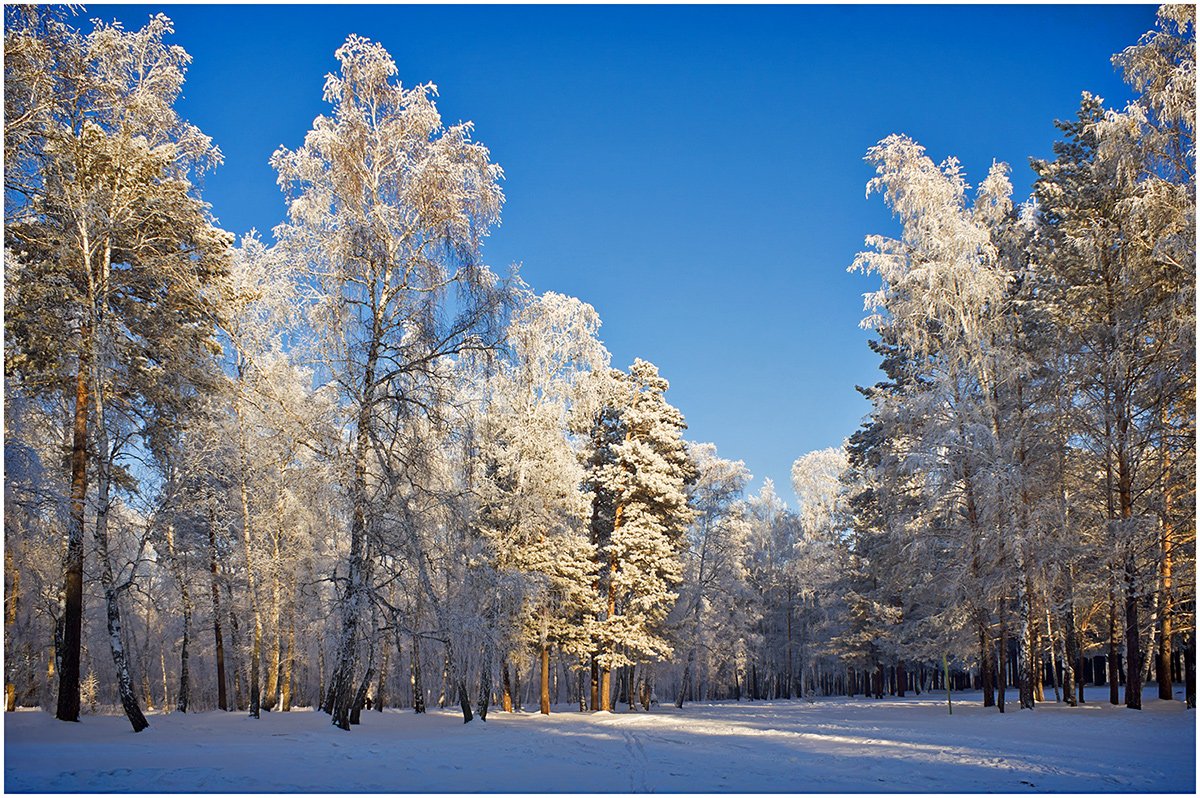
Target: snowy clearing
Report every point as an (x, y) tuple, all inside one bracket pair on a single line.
[(831, 745)]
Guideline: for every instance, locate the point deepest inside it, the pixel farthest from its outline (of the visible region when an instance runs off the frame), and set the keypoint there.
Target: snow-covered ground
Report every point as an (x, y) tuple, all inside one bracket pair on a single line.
[(831, 745)]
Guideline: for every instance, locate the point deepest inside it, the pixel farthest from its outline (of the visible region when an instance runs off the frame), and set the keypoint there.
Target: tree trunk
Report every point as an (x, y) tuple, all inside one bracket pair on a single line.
[(271, 697), (285, 690), (381, 686), (248, 551), (985, 666), (162, 661), (595, 703), (222, 701), (340, 697), (1114, 676), (613, 567), (112, 591), (686, 683), (1133, 650), (1002, 660), (1163, 663), (517, 689), (418, 688), (11, 597), (354, 716), (545, 680), (235, 650), (505, 687), (485, 682), (321, 675), (72, 629), (185, 599), (787, 682), (605, 685), (1037, 667), (1025, 667), (458, 682), (1189, 670), (1072, 672), (1053, 658), (946, 677)]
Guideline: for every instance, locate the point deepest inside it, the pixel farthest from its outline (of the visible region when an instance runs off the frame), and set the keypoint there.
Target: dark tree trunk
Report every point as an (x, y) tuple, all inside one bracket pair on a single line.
[(222, 701), (72, 629), (182, 704), (464, 700), (595, 703), (1114, 674), (686, 683), (985, 666), (1133, 649), (1189, 670), (458, 683), (354, 716), (901, 678), (485, 683), (1002, 662)]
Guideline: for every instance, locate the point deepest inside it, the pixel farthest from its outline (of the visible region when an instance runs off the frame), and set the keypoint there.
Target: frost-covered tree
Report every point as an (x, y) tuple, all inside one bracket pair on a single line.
[(112, 261), (1117, 207), (714, 566), (388, 210), (638, 470), (533, 508)]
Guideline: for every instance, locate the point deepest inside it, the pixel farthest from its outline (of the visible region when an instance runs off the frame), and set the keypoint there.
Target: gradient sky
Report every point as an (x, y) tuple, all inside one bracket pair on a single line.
[(694, 172)]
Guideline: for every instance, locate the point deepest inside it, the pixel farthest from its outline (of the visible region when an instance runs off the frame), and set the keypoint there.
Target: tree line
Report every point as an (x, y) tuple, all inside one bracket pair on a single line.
[(358, 467)]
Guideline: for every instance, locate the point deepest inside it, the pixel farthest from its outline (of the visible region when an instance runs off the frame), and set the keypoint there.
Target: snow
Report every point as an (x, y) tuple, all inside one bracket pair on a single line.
[(830, 745)]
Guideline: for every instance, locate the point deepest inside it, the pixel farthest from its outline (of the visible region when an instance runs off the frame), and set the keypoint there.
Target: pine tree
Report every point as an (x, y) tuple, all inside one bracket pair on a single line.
[(639, 467), (110, 226)]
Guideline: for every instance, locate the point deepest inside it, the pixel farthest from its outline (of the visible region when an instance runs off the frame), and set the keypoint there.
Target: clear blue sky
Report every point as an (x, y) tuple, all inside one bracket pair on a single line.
[(695, 173)]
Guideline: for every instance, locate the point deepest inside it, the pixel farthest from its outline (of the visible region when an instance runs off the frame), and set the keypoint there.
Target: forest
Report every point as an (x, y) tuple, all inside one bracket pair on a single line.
[(351, 466)]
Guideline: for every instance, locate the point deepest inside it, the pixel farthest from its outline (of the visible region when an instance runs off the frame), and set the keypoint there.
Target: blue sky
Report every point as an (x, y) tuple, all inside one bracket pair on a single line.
[(694, 172)]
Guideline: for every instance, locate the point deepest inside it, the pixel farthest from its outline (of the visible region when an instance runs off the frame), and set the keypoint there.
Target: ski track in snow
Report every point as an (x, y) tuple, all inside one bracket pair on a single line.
[(832, 745)]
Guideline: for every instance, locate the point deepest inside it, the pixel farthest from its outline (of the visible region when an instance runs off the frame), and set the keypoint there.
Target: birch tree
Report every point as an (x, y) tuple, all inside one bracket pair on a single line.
[(388, 211)]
